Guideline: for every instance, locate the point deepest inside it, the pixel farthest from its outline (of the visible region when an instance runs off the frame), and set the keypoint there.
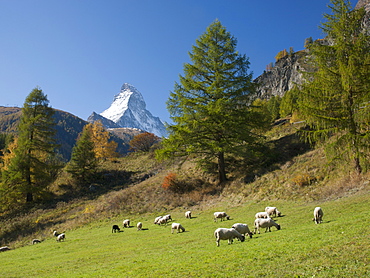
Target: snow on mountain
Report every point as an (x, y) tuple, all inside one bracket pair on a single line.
[(128, 109)]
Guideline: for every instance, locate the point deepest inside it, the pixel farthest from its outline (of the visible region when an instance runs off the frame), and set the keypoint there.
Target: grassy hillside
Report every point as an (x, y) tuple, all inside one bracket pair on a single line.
[(336, 248), (294, 178)]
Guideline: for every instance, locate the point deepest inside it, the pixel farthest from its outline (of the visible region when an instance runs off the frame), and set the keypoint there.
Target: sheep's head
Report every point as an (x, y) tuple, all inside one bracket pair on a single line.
[(278, 227), (228, 217), (242, 238), (250, 235)]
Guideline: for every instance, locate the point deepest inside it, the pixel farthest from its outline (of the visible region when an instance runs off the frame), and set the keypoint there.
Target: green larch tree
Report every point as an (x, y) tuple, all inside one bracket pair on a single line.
[(210, 106), (336, 101), (30, 170), (84, 163)]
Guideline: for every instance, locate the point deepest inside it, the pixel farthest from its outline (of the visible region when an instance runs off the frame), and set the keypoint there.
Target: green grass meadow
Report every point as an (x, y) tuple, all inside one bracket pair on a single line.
[(339, 247)]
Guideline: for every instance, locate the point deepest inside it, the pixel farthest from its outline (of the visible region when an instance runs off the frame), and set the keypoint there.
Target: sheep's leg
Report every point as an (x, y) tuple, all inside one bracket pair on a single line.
[(218, 242)]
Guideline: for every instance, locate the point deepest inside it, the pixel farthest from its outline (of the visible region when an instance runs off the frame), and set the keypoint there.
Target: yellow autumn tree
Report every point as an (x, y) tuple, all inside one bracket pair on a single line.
[(103, 148), (9, 153)]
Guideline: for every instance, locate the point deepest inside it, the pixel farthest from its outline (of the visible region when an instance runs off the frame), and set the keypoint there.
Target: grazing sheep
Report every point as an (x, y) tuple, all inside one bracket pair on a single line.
[(227, 234), (4, 248), (126, 223), (265, 223), (262, 214), (157, 219), (35, 241), (162, 220), (188, 214), (55, 233), (272, 211), (116, 229), (139, 226), (178, 227), (318, 214), (167, 217), (243, 229), (61, 237), (221, 215)]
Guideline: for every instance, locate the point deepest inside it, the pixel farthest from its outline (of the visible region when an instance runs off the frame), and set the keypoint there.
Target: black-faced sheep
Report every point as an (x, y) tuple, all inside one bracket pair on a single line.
[(318, 214), (188, 214), (178, 227), (162, 220), (115, 229), (167, 217), (221, 215), (243, 229), (227, 234), (157, 219), (4, 248), (272, 211), (35, 241), (262, 214), (61, 237), (265, 223), (139, 226), (126, 223)]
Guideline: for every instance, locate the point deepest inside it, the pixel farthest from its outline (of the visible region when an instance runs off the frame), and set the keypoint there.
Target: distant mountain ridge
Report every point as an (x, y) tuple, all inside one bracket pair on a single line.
[(128, 110), (68, 127)]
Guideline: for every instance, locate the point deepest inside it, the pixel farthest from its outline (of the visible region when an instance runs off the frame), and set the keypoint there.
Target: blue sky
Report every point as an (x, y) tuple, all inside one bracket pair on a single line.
[(80, 52)]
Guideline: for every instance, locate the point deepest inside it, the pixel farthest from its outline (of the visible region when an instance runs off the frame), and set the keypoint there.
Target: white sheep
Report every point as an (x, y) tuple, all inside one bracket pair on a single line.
[(221, 215), (262, 214), (265, 223), (272, 211), (126, 223), (318, 214), (139, 226), (188, 214), (178, 227), (243, 229), (4, 248), (61, 237), (227, 234), (157, 219), (162, 220), (167, 217), (35, 241)]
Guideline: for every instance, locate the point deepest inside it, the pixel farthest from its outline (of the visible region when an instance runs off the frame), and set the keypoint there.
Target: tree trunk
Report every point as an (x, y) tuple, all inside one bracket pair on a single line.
[(29, 197), (221, 167), (358, 165)]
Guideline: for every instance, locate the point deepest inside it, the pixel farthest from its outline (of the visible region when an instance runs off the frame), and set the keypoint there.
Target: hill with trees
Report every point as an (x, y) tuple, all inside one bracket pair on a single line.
[(226, 146)]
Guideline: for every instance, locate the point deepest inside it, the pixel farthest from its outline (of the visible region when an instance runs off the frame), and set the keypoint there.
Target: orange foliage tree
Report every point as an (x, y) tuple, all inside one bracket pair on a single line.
[(143, 142)]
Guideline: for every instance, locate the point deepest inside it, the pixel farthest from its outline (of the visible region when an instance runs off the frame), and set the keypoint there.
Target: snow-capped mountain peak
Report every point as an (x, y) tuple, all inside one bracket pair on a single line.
[(128, 109)]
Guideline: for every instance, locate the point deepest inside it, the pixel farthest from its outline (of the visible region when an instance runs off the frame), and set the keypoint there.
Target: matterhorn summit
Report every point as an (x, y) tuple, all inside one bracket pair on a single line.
[(128, 109)]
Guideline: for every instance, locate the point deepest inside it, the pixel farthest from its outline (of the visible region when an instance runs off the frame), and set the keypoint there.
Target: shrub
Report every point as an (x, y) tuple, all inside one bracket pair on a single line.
[(303, 179), (169, 181), (173, 183)]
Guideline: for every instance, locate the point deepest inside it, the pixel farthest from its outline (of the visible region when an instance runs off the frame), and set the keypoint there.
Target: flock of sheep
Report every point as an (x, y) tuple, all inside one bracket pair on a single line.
[(263, 220), (238, 230)]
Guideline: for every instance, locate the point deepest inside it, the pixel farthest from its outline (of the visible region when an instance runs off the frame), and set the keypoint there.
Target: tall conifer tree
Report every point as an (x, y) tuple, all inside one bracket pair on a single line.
[(30, 172), (335, 101), (210, 106), (84, 163)]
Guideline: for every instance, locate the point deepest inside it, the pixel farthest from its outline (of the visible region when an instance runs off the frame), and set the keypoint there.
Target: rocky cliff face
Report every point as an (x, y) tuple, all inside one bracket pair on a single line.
[(283, 76), (288, 70)]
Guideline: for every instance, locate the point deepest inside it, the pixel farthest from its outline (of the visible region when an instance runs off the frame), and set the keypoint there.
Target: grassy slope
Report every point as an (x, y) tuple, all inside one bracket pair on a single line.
[(337, 248)]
